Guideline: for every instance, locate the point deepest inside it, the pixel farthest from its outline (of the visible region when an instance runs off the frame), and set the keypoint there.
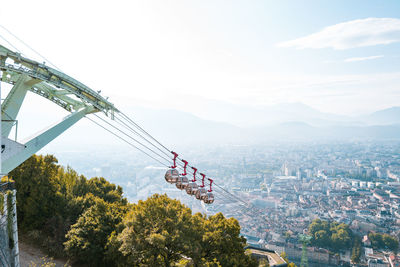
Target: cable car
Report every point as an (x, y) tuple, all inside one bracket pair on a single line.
[(171, 176), (192, 187), (201, 193), (209, 198), (182, 182)]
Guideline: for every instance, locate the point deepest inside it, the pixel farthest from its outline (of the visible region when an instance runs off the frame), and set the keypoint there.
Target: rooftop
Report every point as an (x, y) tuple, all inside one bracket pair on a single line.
[(273, 258)]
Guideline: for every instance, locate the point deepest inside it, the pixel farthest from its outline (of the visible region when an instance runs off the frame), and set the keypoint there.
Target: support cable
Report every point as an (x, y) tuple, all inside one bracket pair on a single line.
[(129, 143), (224, 192), (248, 204), (166, 159), (120, 121), (242, 209), (28, 46), (138, 134), (140, 128), (2, 37)]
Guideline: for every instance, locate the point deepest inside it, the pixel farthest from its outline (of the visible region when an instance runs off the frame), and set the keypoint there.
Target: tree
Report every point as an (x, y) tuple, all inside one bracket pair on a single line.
[(340, 240), (93, 223), (38, 197), (318, 225), (383, 241), (263, 263), (356, 251), (105, 190), (390, 242), (155, 232), (288, 235), (223, 242), (162, 232), (87, 239), (331, 235), (285, 258), (321, 238)]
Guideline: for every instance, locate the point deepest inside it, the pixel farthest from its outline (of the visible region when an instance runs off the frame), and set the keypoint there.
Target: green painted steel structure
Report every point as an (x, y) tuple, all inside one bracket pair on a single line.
[(304, 239), (28, 75)]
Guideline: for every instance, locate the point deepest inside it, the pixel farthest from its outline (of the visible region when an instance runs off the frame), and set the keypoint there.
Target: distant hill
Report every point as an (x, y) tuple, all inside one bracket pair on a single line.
[(176, 128), (292, 131), (300, 112), (180, 127), (383, 117), (245, 116)]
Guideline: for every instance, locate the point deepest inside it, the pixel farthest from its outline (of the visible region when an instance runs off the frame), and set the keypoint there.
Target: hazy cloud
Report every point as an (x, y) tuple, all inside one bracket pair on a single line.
[(351, 34), (355, 59)]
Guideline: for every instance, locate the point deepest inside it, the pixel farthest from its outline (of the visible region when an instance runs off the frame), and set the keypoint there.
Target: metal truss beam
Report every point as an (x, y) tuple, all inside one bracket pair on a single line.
[(13, 63), (43, 138), (13, 102)]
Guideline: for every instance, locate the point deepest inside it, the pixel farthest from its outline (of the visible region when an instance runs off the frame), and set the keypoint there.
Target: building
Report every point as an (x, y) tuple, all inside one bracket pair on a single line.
[(271, 256), (377, 263)]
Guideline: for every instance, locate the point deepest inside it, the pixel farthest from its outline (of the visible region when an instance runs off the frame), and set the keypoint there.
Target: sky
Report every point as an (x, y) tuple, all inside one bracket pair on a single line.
[(341, 57)]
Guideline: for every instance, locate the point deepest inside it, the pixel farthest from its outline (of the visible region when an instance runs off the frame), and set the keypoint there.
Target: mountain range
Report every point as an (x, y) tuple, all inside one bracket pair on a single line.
[(284, 122), (280, 122), (245, 116)]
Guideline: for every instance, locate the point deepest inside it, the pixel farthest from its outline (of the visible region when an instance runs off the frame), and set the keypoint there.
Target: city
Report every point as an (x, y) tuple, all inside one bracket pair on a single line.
[(289, 108), (283, 188)]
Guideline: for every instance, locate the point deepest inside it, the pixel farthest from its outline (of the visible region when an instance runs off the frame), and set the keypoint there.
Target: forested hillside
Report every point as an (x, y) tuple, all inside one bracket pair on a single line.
[(92, 224)]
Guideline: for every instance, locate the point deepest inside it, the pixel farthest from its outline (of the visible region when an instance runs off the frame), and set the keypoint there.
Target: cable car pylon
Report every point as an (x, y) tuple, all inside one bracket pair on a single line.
[(26, 75)]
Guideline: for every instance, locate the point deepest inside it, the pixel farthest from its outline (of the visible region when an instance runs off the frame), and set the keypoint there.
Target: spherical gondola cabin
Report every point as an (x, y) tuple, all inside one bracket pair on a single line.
[(192, 188), (172, 176), (209, 198), (182, 182), (201, 193)]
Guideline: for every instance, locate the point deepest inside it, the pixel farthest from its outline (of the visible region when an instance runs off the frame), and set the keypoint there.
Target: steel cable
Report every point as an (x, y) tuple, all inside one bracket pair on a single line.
[(28, 46), (166, 159), (129, 143), (140, 128), (118, 120), (134, 124), (247, 206), (2, 37)]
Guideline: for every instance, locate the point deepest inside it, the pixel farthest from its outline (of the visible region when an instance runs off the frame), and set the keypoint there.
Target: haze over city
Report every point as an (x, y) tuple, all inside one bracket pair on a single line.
[(337, 57), (292, 107)]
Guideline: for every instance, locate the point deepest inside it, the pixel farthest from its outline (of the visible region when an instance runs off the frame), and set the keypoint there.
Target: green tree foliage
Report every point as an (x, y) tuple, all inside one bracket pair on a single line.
[(155, 232), (91, 221), (263, 263), (288, 235), (87, 238), (285, 258), (38, 191), (161, 232), (221, 241), (331, 235), (384, 241), (356, 251), (45, 262), (321, 238), (50, 199)]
